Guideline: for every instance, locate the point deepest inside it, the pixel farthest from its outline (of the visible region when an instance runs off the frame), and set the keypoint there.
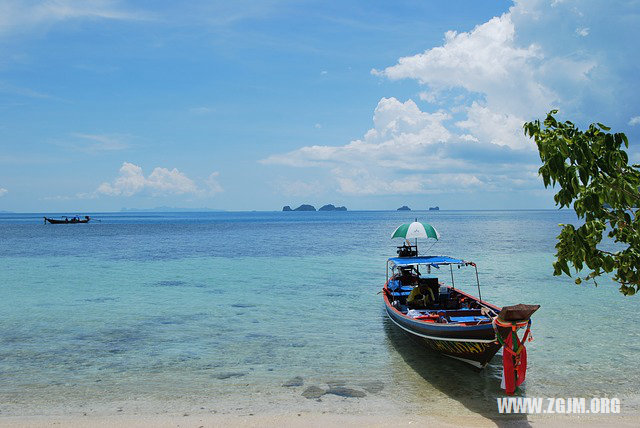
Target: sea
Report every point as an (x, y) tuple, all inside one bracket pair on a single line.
[(251, 312)]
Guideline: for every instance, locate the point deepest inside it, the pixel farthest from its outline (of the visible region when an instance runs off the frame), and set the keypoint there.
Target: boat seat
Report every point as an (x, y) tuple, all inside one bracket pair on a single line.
[(400, 290), (467, 319), (400, 293)]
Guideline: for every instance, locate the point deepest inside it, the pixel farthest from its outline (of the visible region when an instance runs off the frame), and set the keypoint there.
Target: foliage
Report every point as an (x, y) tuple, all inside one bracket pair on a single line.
[(592, 171)]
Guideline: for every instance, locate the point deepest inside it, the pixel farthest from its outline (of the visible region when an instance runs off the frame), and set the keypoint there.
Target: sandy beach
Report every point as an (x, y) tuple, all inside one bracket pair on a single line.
[(304, 419)]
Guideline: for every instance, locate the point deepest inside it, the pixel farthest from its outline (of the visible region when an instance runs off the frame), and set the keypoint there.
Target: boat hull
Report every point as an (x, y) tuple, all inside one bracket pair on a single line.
[(475, 345), (477, 351), (71, 221)]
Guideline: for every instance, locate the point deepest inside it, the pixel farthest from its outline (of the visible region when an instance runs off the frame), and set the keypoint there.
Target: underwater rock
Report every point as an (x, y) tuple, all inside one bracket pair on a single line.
[(296, 381), (229, 375), (373, 387), (176, 283), (343, 391), (313, 392)]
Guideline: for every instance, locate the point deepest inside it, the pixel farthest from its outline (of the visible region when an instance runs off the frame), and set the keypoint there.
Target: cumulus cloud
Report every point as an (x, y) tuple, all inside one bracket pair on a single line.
[(409, 151), (635, 120), (400, 131), (508, 76), (3, 191), (485, 60), (162, 181), (486, 83)]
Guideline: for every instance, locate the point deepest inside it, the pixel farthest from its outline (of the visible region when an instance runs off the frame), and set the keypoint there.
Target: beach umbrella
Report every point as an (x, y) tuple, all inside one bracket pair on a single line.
[(416, 230)]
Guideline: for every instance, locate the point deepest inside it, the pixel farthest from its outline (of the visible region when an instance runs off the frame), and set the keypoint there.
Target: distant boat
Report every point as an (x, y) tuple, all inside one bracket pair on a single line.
[(67, 220), (436, 208)]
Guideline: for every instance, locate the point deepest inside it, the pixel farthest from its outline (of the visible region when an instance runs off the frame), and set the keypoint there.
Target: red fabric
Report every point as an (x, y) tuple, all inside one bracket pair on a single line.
[(510, 369)]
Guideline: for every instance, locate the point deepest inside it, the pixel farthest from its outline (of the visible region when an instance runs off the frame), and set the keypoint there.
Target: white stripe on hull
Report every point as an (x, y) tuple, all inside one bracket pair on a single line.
[(451, 339)]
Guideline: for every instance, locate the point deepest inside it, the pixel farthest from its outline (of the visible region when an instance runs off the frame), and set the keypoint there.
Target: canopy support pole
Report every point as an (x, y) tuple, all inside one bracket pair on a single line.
[(453, 284), (387, 270), (478, 281)]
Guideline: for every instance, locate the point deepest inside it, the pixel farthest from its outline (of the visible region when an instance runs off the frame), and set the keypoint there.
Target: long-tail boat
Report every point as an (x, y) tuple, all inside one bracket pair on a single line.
[(67, 220), (449, 320)]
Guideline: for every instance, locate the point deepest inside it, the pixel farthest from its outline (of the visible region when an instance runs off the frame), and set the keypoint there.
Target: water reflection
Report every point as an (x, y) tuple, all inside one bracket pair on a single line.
[(446, 378)]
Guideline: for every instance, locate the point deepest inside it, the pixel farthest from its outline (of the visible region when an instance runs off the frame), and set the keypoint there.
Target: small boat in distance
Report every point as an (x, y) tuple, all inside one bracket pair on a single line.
[(444, 318), (67, 220)]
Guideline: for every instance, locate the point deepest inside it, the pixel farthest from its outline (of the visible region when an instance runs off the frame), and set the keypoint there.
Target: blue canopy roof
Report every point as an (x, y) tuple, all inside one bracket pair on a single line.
[(426, 260)]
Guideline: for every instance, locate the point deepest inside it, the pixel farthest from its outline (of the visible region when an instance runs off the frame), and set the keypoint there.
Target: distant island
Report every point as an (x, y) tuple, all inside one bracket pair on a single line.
[(303, 207), (307, 207), (404, 208), (436, 208), (331, 207)]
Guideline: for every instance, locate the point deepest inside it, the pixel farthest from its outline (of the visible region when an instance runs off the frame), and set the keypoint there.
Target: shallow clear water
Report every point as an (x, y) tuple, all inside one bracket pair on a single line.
[(223, 308)]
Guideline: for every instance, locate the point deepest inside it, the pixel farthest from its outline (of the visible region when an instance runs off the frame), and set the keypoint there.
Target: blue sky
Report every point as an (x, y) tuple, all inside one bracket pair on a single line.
[(254, 105)]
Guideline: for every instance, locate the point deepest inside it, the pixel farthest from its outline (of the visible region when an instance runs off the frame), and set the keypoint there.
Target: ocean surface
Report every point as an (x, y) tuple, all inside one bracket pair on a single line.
[(217, 311)]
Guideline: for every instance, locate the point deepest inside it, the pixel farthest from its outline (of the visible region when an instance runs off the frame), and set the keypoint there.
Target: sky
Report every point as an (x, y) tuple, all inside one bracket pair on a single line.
[(249, 105)]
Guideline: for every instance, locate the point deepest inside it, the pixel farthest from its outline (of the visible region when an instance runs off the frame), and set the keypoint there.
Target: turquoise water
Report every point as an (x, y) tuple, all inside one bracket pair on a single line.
[(221, 309)]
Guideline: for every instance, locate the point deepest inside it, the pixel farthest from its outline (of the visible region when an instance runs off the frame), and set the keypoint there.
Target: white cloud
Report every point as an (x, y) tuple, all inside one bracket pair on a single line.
[(93, 143), (635, 120), (130, 182), (161, 181), (428, 96), (486, 60), (171, 181), (3, 191), (502, 129), (364, 182), (27, 15), (399, 137), (212, 183), (411, 151), (504, 73), (487, 82), (584, 32)]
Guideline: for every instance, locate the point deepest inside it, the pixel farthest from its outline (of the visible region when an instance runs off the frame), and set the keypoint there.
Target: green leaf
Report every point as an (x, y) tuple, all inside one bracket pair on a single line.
[(591, 169)]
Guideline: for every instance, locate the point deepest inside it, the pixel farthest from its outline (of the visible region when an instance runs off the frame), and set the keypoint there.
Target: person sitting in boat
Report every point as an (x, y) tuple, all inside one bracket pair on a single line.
[(421, 297), (407, 276)]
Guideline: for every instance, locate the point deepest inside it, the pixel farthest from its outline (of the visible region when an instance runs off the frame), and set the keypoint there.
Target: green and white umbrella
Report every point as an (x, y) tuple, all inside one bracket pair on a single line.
[(416, 230)]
